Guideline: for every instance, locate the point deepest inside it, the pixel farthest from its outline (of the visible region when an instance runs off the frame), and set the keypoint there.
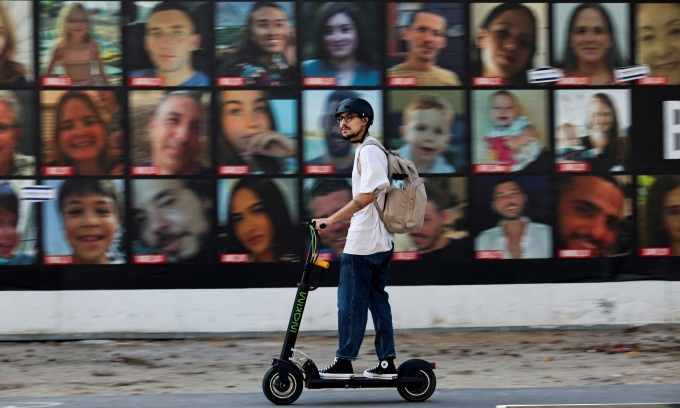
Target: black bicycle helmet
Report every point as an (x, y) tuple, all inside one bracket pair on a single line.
[(358, 106)]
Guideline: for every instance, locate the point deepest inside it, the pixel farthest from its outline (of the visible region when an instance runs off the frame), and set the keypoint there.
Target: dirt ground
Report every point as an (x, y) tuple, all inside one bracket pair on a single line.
[(464, 360)]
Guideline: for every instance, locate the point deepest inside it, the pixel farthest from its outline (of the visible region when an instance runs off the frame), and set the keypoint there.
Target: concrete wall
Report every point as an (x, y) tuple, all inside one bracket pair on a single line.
[(177, 313)]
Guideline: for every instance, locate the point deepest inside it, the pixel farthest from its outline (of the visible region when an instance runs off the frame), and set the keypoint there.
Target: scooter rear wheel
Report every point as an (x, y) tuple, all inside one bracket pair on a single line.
[(274, 390), (419, 394)]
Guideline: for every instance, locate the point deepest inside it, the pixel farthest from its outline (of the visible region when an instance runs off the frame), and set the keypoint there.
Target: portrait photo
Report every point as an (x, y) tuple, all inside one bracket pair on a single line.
[(86, 222), (79, 134), (593, 126), (513, 217), (258, 217), (336, 43), (510, 128), (323, 144), (18, 133), (595, 215), (429, 128), (81, 40), (507, 39), (169, 132), (169, 41), (426, 42), (591, 40), (256, 43), (658, 213), (18, 224), (657, 39), (171, 220), (257, 131), (16, 51)]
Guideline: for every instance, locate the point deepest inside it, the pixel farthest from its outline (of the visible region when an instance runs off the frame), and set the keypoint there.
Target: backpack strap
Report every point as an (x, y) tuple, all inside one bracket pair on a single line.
[(375, 201), (369, 142)]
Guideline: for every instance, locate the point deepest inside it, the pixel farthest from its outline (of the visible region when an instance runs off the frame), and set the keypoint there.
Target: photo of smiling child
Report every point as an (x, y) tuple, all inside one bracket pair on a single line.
[(503, 135), (426, 129), (85, 222), (75, 135), (17, 225), (82, 42)]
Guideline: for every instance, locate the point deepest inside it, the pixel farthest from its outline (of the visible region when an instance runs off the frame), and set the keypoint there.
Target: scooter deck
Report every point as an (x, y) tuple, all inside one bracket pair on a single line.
[(363, 382)]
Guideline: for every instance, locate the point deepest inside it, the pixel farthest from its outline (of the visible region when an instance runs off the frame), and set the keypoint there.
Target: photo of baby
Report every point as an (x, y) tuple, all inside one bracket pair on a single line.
[(511, 139), (503, 134)]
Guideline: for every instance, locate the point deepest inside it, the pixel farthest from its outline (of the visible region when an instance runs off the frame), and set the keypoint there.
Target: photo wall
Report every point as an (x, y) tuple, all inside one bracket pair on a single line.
[(178, 144)]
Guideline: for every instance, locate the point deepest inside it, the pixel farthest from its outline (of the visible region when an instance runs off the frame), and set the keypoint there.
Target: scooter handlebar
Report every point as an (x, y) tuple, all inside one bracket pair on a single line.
[(313, 224)]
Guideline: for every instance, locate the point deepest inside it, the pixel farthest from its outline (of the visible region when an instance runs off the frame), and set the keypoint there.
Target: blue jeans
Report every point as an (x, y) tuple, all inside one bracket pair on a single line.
[(362, 288)]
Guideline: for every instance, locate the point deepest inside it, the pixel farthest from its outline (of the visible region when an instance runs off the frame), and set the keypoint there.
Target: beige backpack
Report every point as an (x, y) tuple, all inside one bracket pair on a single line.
[(405, 198)]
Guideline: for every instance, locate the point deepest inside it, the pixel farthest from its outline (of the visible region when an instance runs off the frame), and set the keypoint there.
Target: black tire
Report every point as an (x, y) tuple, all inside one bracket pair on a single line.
[(271, 386), (422, 393)]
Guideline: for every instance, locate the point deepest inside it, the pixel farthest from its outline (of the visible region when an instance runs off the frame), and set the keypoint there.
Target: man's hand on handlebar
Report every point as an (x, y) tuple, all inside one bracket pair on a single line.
[(321, 223)]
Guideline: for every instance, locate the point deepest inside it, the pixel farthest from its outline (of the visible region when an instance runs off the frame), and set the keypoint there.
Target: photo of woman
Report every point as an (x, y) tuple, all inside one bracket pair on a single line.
[(75, 51), (506, 40), (592, 128), (16, 46), (264, 53), (79, 138), (657, 30), (258, 219), (252, 135), (593, 45), (662, 212), (85, 221), (336, 50), (17, 225)]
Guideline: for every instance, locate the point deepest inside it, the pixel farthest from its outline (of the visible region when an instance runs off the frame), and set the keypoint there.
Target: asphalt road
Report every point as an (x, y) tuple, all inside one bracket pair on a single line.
[(464, 398)]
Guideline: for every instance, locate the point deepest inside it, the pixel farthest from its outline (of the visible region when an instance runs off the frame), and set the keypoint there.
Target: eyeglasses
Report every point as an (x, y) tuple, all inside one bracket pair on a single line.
[(6, 128), (346, 118)]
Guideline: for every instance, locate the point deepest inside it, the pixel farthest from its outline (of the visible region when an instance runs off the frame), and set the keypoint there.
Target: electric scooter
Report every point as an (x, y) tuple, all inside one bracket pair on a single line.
[(283, 383)]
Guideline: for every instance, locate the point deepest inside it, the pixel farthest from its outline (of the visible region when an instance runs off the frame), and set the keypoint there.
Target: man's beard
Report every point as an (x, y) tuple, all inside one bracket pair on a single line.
[(432, 243), (350, 136), (337, 150), (510, 218)]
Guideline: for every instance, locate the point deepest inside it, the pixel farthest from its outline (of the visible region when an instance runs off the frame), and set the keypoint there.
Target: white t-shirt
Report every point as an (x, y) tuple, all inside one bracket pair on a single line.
[(367, 234)]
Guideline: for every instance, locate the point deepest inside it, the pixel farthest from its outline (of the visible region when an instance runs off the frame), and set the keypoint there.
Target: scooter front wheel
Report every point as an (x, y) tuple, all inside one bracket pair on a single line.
[(419, 394), (276, 392)]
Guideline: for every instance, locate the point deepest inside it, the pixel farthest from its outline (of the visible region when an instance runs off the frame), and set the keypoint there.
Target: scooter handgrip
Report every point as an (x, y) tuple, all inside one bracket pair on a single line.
[(322, 263)]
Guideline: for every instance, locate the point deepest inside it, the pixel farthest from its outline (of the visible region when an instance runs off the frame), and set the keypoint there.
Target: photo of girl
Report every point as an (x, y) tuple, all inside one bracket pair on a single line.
[(657, 30), (72, 47), (258, 218), (16, 42), (86, 221), (505, 134), (79, 137), (264, 52), (591, 43), (510, 38), (17, 225), (258, 131), (660, 204), (592, 129), (336, 47)]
